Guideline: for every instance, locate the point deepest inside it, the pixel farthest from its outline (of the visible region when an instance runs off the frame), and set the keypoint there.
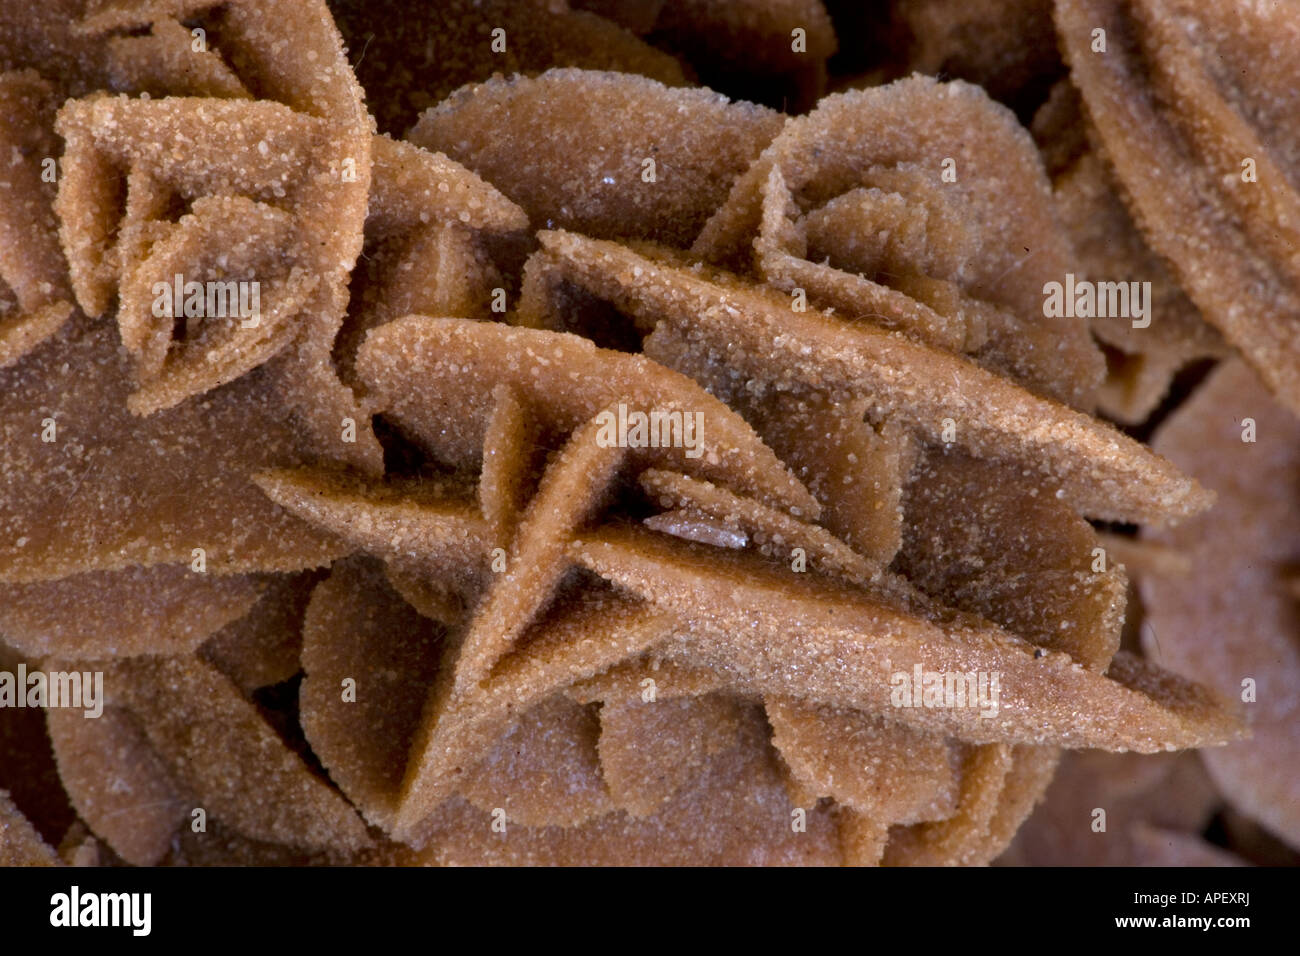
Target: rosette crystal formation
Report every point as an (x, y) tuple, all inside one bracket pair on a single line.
[(391, 576)]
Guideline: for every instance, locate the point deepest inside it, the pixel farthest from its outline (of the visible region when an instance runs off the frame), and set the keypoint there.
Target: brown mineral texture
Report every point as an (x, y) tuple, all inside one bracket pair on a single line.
[(1194, 107), (561, 432)]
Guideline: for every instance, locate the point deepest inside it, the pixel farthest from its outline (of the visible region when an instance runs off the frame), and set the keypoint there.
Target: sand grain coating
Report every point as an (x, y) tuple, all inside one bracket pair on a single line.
[(606, 451)]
